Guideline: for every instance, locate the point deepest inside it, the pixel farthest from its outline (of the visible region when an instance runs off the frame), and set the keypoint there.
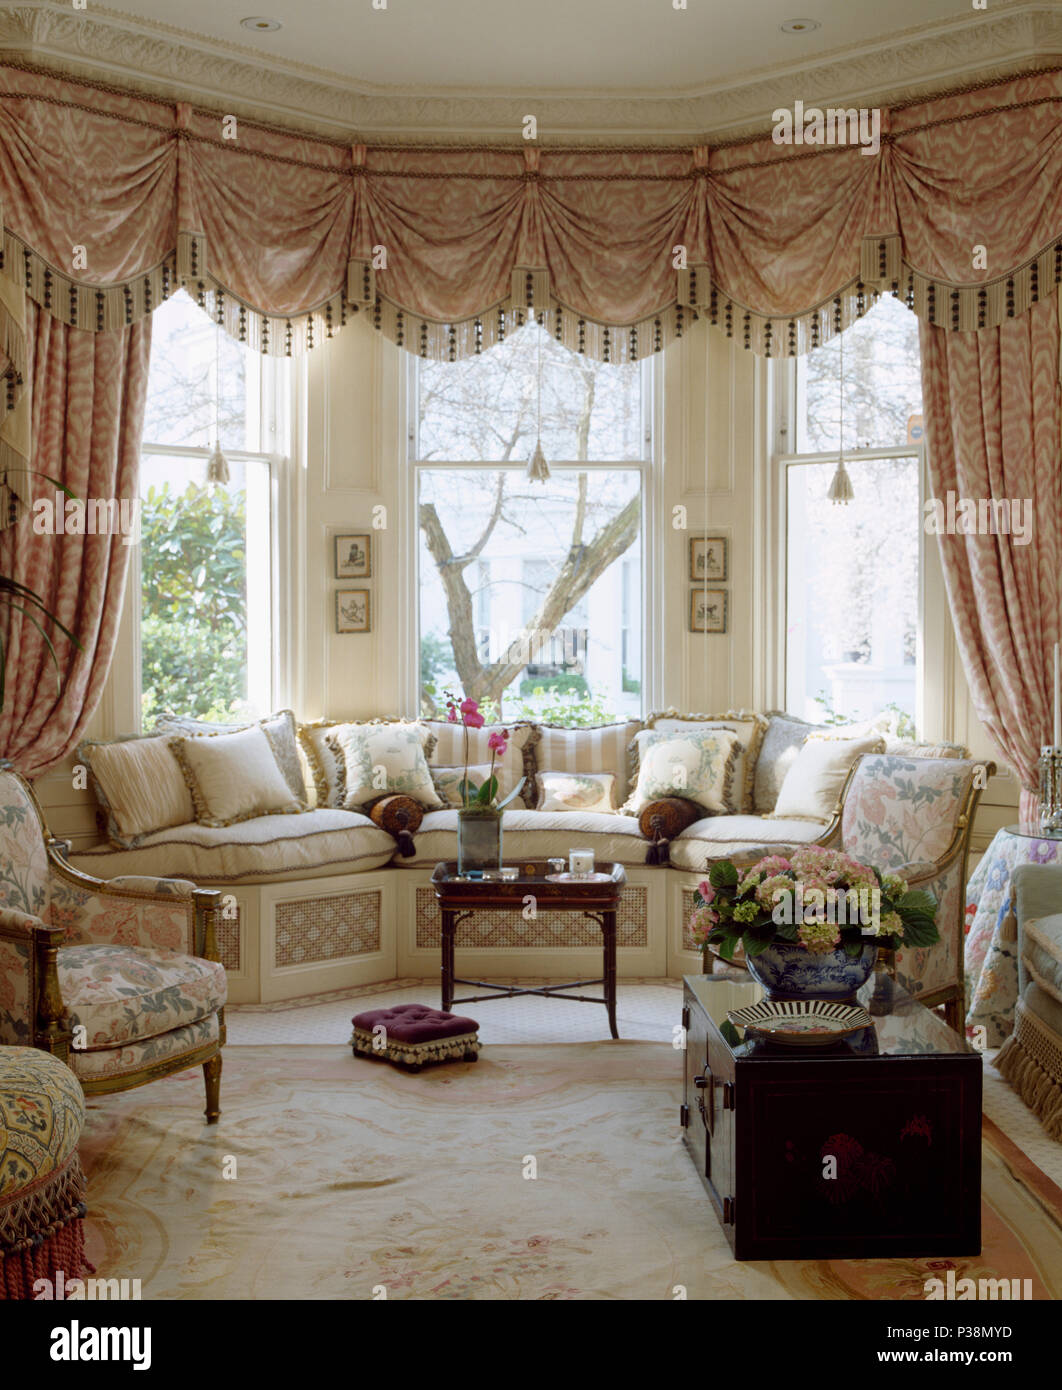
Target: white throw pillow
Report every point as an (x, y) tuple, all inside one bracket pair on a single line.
[(377, 760), (814, 781), (576, 791), (698, 764), (140, 785), (233, 777)]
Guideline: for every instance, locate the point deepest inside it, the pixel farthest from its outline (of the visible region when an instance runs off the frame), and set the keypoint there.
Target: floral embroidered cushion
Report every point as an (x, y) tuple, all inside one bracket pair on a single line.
[(376, 760), (699, 764), (576, 791)]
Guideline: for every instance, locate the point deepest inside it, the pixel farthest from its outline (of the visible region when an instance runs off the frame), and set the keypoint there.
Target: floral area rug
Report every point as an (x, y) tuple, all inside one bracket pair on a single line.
[(550, 1171)]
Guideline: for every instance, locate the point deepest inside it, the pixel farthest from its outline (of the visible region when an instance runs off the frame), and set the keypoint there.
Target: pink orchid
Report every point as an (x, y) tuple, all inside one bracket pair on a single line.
[(498, 741), (470, 715)]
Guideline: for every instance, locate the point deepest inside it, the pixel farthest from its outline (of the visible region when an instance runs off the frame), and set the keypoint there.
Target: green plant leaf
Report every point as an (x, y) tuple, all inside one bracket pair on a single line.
[(723, 875), (756, 946)]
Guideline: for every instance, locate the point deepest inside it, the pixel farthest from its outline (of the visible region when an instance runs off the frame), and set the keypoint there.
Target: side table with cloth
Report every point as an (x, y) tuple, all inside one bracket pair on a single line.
[(991, 944)]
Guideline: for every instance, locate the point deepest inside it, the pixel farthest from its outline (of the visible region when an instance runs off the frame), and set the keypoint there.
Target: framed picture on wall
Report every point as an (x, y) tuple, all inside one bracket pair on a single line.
[(353, 556), (353, 611), (709, 610), (710, 558)]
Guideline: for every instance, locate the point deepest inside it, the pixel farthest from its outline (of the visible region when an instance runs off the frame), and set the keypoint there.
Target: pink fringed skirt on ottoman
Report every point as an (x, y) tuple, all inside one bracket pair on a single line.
[(413, 1034), (42, 1188)]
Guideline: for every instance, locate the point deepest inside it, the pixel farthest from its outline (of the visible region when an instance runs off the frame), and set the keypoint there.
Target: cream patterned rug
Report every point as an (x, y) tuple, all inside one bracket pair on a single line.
[(354, 1180)]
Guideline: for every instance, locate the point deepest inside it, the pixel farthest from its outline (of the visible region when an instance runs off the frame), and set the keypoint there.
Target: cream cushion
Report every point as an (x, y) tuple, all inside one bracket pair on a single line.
[(233, 777), (718, 837), (750, 728), (576, 791), (815, 778), (381, 760), (535, 835), (696, 763), (139, 783), (281, 730), (269, 849), (595, 748), (517, 761)]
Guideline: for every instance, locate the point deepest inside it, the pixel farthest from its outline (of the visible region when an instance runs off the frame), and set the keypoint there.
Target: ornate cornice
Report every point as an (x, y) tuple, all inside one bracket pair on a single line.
[(168, 62)]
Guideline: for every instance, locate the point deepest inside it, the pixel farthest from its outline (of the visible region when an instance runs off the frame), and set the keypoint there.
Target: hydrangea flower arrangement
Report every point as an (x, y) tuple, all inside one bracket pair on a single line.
[(821, 899)]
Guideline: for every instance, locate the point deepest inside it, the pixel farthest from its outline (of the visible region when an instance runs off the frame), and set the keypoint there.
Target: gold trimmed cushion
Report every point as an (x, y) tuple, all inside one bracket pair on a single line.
[(320, 760), (576, 791), (750, 728), (139, 785), (696, 763), (280, 729), (233, 777), (815, 777), (381, 760), (592, 748)]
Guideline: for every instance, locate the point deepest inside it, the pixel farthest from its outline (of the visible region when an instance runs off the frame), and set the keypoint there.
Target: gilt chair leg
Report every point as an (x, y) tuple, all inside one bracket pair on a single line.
[(212, 1076)]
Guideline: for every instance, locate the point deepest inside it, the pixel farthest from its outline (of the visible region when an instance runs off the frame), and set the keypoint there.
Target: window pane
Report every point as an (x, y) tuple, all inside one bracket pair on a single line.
[(541, 612), (882, 384), (485, 409), (205, 590), (852, 589), (190, 358)]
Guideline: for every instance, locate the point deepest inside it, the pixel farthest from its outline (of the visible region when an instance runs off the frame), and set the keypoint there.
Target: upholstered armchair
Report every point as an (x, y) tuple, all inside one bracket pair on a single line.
[(913, 816), (121, 980)]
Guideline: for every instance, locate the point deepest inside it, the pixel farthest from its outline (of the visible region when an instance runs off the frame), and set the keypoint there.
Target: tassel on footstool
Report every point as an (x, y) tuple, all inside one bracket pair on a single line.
[(412, 1034)]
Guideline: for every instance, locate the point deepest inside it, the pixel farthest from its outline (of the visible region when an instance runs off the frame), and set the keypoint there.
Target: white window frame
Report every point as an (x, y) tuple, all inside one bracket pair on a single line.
[(783, 430), (276, 383), (649, 466)]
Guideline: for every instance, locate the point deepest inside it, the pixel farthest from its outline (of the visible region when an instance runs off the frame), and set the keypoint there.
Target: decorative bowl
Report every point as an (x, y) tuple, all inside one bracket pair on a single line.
[(801, 1022)]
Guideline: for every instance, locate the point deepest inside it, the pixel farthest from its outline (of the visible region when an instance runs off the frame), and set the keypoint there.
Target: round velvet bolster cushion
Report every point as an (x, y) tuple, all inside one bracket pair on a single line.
[(662, 820), (400, 816)]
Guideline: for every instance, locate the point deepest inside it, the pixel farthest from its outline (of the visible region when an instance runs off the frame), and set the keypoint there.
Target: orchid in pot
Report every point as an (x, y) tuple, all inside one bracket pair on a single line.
[(810, 924), (479, 818)]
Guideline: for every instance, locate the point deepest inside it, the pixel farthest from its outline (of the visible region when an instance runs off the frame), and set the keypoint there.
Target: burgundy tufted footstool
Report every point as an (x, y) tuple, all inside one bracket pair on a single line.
[(414, 1034)]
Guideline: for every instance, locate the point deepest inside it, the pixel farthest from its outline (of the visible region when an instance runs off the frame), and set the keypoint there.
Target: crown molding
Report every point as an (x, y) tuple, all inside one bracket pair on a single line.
[(163, 61)]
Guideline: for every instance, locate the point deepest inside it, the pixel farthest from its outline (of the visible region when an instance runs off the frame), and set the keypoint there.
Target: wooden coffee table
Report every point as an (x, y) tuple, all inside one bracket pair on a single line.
[(596, 898)]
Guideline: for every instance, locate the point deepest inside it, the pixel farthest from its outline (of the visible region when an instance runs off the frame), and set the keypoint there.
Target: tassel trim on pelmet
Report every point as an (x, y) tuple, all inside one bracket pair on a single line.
[(883, 270)]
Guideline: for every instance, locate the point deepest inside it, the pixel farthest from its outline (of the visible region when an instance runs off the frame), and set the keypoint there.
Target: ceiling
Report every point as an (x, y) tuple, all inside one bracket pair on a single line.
[(630, 71), (578, 45)]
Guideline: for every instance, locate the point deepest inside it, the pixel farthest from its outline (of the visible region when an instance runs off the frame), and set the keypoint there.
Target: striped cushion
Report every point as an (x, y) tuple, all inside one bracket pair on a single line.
[(599, 749)]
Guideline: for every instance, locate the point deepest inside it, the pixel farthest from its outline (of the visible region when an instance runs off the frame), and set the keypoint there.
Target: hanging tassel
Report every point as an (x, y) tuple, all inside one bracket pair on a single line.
[(217, 466), (538, 468), (841, 489), (10, 504)]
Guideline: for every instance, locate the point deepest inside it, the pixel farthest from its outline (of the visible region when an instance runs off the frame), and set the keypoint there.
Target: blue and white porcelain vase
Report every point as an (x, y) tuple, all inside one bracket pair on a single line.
[(793, 972)]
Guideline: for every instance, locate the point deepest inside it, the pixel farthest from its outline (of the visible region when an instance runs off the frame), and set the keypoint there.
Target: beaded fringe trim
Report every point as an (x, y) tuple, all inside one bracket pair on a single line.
[(45, 1207), (437, 1050), (882, 271), (1031, 1061)]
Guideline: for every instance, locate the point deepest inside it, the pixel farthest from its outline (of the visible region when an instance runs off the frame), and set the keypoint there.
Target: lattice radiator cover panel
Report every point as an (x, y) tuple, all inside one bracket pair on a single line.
[(227, 932), (308, 930), (559, 930), (687, 912)]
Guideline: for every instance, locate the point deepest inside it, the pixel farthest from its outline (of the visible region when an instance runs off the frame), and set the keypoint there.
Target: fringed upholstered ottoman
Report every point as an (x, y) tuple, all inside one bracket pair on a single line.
[(42, 1187), (412, 1034), (1031, 1058)]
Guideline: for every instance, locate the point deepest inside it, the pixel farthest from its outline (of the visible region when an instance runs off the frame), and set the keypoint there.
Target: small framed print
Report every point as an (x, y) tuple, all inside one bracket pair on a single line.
[(710, 558), (353, 556), (353, 612), (708, 610)]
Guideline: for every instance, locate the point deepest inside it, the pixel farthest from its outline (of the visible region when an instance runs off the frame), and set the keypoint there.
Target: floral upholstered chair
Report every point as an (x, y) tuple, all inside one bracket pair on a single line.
[(913, 816), (121, 979)]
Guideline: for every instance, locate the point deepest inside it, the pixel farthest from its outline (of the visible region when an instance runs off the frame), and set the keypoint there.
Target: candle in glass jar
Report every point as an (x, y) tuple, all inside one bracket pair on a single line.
[(581, 861)]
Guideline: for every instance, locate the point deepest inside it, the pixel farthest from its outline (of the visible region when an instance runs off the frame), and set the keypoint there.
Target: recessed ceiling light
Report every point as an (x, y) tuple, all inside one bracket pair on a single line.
[(263, 26), (799, 26)]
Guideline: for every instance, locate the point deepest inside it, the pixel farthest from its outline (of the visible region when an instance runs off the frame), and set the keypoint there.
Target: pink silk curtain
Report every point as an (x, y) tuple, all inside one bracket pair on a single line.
[(992, 410), (88, 395), (283, 236)]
